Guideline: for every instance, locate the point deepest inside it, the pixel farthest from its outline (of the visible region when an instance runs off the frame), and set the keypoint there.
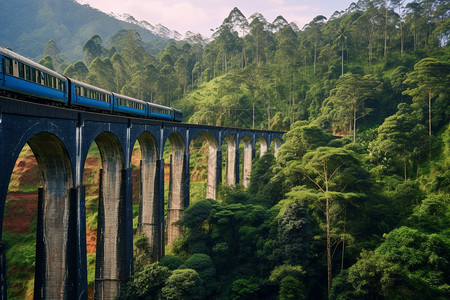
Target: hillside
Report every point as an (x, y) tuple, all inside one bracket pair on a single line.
[(67, 22), (355, 205)]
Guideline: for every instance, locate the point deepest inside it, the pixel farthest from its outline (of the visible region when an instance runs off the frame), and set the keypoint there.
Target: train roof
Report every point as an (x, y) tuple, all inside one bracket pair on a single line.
[(30, 62), (87, 85), (129, 98), (160, 106)]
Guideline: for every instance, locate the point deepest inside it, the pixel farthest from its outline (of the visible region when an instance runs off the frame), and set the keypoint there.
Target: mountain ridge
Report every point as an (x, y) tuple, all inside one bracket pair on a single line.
[(70, 24), (157, 29)]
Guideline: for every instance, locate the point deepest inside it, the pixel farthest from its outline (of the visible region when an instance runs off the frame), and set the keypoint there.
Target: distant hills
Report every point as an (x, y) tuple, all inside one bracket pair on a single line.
[(26, 25), (159, 29)]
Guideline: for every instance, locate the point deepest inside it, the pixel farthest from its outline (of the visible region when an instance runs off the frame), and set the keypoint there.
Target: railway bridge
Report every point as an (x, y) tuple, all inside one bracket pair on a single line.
[(60, 140)]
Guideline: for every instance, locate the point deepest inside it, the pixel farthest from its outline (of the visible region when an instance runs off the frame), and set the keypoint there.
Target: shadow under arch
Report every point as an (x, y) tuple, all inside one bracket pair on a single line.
[(110, 262)]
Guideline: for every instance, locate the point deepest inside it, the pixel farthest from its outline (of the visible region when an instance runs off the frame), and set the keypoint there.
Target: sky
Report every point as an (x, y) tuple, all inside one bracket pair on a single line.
[(204, 16)]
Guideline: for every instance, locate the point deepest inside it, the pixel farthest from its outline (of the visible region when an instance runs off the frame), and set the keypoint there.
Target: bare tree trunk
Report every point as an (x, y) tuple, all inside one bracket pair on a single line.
[(327, 213), (253, 126), (343, 241), (402, 40), (354, 124), (328, 246), (385, 30), (404, 162), (315, 56), (429, 113)]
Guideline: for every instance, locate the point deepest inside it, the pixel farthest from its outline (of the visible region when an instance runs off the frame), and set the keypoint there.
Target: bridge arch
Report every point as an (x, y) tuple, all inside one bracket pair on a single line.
[(52, 259), (54, 163), (150, 216)]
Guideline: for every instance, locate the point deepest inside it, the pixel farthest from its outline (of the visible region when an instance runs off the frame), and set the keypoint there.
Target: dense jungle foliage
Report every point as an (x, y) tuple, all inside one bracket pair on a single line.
[(356, 205), (361, 216)]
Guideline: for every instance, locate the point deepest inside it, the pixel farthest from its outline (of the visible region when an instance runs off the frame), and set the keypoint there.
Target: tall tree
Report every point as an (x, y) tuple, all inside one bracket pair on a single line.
[(93, 48), (239, 23), (77, 71), (335, 174), (399, 5), (102, 74), (315, 28), (400, 137), (259, 32), (429, 79), (365, 26), (347, 102)]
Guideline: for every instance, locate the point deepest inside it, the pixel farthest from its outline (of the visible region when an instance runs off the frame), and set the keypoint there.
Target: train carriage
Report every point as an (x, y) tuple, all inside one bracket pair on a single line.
[(22, 76), (130, 106), (86, 95), (157, 111)]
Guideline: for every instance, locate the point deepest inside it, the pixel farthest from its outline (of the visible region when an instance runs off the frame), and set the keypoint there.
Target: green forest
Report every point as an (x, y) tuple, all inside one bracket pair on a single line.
[(356, 205)]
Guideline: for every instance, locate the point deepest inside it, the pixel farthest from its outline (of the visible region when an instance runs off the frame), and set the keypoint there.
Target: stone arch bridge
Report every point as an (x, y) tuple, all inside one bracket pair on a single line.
[(60, 140)]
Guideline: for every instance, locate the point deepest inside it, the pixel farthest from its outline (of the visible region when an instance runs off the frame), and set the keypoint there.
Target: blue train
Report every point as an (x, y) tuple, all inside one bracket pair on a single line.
[(22, 76)]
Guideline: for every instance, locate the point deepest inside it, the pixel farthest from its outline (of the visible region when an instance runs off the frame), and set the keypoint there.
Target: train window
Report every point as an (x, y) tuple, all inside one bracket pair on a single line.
[(8, 66), (21, 70), (49, 79), (45, 77), (159, 110), (33, 75), (61, 85), (38, 76), (27, 72)]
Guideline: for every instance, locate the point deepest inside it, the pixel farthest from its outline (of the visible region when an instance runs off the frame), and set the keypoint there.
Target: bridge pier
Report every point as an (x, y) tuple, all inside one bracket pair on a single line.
[(219, 169), (77, 273), (232, 171), (114, 257), (213, 170), (176, 196), (161, 242), (114, 254), (247, 161), (149, 207), (263, 147)]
